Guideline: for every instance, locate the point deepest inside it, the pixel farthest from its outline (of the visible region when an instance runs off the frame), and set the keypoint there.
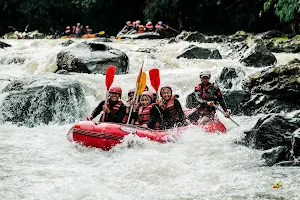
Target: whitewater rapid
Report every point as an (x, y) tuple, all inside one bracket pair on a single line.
[(39, 162)]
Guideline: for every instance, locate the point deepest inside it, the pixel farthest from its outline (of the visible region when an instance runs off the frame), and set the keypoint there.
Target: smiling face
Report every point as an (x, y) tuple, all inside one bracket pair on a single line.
[(166, 94), (145, 101), (114, 96), (205, 80), (130, 95)]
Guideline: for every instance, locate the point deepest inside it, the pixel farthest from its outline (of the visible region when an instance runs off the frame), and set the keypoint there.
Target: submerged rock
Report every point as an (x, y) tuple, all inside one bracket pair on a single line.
[(43, 99), (3, 45), (92, 58)]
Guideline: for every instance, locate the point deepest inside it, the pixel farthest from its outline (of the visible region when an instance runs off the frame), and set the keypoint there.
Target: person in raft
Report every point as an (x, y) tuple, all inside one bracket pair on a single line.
[(114, 110), (149, 115), (205, 98), (173, 115), (128, 104)]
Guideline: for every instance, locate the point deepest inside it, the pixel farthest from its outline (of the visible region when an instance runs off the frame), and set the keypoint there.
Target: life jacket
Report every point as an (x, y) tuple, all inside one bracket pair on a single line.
[(141, 29), (68, 32), (206, 93), (114, 110), (89, 30), (144, 116), (77, 30), (149, 28), (169, 108)]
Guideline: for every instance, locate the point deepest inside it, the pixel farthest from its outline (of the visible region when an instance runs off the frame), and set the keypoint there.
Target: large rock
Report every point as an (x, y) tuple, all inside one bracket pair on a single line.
[(235, 99), (239, 36), (276, 155), (257, 54), (284, 45), (193, 37), (271, 131), (43, 99), (270, 34), (92, 58), (194, 52), (231, 76), (3, 45)]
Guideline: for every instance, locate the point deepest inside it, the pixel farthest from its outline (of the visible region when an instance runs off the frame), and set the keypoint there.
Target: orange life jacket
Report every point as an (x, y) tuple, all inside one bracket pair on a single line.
[(141, 29)]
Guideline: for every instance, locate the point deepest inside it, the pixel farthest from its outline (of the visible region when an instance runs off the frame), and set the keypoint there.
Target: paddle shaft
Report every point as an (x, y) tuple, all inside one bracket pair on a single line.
[(131, 107), (171, 28), (219, 109), (106, 99)]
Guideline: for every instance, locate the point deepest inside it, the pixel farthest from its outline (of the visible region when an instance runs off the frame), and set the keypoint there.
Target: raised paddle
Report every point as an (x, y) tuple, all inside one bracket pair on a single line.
[(140, 87), (155, 79), (109, 79)]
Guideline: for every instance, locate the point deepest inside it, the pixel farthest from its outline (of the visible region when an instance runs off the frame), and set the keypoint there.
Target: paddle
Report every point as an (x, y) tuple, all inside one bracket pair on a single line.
[(102, 32), (155, 79), (140, 87), (225, 115), (109, 79), (171, 28)]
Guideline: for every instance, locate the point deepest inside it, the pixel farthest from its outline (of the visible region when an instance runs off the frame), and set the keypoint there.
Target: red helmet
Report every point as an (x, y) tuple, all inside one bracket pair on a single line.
[(87, 26), (165, 86), (128, 22), (149, 23), (116, 89), (73, 27), (131, 91), (68, 27), (134, 23), (138, 22), (149, 94)]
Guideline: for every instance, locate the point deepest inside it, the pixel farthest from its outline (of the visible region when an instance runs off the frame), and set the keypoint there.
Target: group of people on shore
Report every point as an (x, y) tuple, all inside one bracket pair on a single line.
[(165, 112), (77, 31), (137, 27)]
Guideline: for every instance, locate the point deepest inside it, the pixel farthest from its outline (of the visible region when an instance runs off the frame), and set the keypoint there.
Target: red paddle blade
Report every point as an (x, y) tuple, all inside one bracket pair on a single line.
[(154, 78), (110, 74)]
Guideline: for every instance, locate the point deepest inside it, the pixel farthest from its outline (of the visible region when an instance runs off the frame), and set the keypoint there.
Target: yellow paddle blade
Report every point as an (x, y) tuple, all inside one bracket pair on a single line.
[(102, 32), (64, 37), (141, 84)]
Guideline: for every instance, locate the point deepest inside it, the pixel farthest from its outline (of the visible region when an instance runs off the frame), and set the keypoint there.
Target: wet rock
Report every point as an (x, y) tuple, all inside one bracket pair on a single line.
[(263, 103), (43, 99), (146, 50), (67, 43), (296, 144), (257, 54), (182, 35), (194, 37), (239, 36), (194, 52), (284, 45), (215, 39), (275, 155), (92, 58), (230, 76), (62, 72), (271, 131), (270, 34), (235, 99), (3, 45), (282, 81)]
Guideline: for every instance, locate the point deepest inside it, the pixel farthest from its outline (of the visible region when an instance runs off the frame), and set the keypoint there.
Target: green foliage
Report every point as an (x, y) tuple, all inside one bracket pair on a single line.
[(280, 39), (286, 10)]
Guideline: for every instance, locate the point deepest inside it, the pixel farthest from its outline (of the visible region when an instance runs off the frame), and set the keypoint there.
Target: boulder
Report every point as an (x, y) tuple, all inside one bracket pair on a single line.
[(270, 34), (231, 75), (284, 45), (194, 37), (194, 52), (43, 99), (92, 58), (275, 155), (271, 131), (235, 100), (3, 45), (257, 54)]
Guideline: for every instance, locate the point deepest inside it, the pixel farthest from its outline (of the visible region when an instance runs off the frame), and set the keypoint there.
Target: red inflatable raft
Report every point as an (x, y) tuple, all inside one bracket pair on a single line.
[(105, 135)]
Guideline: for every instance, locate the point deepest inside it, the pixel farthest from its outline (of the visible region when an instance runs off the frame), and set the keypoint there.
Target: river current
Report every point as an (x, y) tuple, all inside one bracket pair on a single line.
[(39, 162)]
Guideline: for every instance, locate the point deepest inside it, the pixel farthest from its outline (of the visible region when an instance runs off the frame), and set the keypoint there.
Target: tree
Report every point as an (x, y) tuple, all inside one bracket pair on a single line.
[(286, 10)]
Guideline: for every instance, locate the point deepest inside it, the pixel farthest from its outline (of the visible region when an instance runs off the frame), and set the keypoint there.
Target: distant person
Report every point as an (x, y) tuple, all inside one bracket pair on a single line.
[(140, 27), (68, 31), (78, 30), (161, 29), (149, 27), (88, 29), (128, 27)]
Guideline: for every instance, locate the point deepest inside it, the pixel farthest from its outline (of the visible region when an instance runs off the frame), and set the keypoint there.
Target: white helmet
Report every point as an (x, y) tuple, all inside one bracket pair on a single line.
[(205, 73)]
